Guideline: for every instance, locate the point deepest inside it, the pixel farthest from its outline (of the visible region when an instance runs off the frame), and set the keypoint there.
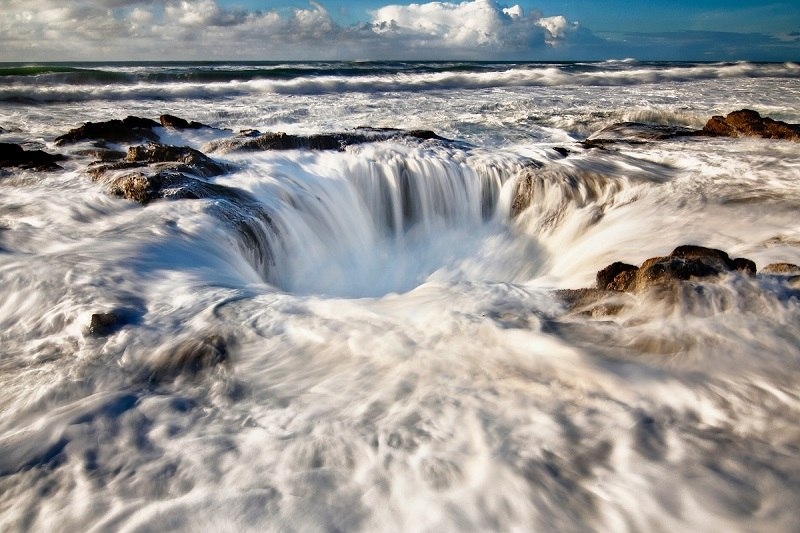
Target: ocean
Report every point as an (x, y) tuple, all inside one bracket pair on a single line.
[(374, 337)]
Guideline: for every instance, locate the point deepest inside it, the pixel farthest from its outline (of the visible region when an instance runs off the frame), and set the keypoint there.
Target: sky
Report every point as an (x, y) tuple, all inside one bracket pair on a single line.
[(535, 30)]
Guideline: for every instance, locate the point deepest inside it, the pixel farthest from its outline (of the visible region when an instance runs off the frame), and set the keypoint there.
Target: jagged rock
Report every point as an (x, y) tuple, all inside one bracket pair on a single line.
[(616, 277), (749, 123), (684, 263), (157, 168), (130, 129), (191, 160), (167, 184), (781, 268), (13, 155), (253, 141), (171, 121)]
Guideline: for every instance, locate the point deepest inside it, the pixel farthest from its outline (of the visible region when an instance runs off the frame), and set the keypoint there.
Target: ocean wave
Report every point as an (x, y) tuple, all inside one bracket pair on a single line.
[(33, 84)]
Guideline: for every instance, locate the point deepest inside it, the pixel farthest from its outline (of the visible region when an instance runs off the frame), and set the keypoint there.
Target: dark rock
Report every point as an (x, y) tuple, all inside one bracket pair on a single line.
[(130, 129), (744, 265), (561, 150), (635, 133), (171, 121), (607, 278), (717, 259), (167, 184), (661, 270), (13, 155), (103, 324), (191, 160), (252, 141), (781, 268), (684, 263), (749, 123)]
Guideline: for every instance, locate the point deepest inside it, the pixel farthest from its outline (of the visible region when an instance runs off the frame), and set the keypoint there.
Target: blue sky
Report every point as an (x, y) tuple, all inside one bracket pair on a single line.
[(712, 30)]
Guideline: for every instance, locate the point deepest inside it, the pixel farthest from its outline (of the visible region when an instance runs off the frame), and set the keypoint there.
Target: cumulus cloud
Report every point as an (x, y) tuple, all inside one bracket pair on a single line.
[(204, 29), (42, 30)]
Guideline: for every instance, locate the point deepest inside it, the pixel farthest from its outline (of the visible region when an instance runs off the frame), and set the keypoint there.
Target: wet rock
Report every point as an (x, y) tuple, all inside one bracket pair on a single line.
[(130, 129), (781, 269), (749, 123), (255, 141), (635, 133), (663, 275), (187, 357), (593, 302), (563, 152), (190, 160), (171, 121), (13, 155), (103, 324), (153, 171), (616, 276)]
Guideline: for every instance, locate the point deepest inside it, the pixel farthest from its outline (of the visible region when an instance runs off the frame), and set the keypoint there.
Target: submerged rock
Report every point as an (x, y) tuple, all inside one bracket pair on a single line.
[(13, 155), (635, 133), (130, 129), (749, 123)]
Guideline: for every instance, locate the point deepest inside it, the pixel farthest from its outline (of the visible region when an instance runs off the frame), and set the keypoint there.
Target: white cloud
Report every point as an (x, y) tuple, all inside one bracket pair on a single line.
[(204, 29)]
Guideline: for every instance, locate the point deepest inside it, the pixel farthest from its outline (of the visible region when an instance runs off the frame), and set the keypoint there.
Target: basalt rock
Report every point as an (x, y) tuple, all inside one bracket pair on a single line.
[(171, 121), (154, 171), (13, 155), (749, 123), (255, 141), (663, 276), (189, 159), (130, 129)]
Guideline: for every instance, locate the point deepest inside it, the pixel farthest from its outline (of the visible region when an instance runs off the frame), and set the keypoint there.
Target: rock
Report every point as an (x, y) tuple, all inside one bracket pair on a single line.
[(616, 276), (749, 123), (592, 302), (635, 133), (191, 160), (154, 171), (781, 268), (744, 265), (684, 263), (171, 121), (563, 152), (250, 140), (13, 155), (167, 184), (103, 324), (186, 358), (130, 129)]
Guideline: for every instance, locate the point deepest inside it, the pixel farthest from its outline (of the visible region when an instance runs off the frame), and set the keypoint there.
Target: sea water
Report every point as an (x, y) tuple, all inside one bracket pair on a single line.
[(397, 357)]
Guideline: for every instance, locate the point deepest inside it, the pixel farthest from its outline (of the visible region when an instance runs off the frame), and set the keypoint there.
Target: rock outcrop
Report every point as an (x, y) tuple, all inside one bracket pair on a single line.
[(13, 155), (178, 123), (256, 141), (130, 129), (684, 263), (153, 171), (749, 123)]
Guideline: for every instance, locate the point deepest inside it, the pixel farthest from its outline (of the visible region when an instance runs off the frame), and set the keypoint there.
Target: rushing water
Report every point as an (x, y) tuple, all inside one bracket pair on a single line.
[(396, 357)]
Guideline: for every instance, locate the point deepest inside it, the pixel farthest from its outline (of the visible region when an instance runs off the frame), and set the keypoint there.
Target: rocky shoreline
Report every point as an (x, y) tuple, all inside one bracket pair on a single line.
[(151, 171)]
